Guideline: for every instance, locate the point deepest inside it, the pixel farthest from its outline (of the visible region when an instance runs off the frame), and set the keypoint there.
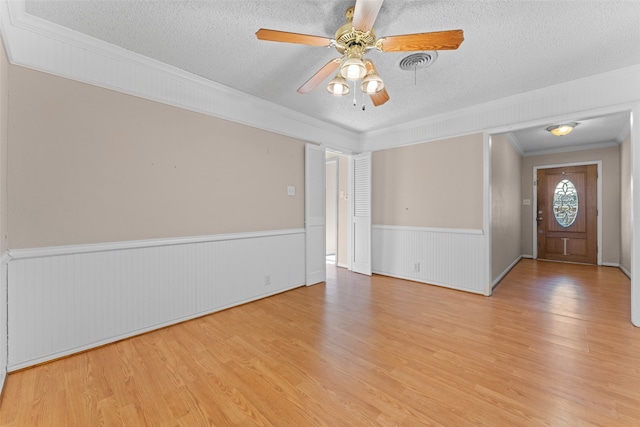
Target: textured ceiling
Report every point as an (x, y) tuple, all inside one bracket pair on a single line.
[(510, 47), (611, 128)]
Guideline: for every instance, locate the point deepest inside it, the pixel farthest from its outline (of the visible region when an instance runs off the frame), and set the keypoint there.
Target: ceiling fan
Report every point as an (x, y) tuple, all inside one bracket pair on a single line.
[(353, 40)]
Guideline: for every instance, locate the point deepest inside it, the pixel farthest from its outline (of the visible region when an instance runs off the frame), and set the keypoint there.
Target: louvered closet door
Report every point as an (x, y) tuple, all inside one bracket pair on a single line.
[(314, 212), (361, 211)]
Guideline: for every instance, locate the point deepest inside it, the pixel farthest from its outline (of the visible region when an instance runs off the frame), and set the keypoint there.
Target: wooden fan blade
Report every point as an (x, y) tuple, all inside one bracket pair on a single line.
[(368, 64), (319, 77), (441, 40), (283, 36), (379, 98), (365, 14)]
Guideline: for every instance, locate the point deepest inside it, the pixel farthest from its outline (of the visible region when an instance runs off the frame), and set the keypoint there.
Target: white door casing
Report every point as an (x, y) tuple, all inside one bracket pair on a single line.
[(361, 214), (635, 216), (331, 219), (314, 214)]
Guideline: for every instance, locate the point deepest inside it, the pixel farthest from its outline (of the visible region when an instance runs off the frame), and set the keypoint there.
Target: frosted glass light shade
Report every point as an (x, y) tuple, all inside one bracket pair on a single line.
[(372, 84), (353, 69), (338, 86), (562, 130)]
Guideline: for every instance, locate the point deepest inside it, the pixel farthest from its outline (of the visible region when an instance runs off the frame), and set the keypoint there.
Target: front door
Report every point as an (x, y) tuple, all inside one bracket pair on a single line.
[(567, 214)]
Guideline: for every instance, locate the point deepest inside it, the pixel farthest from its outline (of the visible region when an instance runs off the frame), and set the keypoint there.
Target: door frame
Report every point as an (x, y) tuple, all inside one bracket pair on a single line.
[(314, 217), (534, 205), (337, 199), (347, 219)]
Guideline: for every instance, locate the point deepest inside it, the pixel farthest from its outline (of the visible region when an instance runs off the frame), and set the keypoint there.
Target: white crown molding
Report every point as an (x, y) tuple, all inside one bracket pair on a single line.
[(14, 254), (44, 46), (514, 142), (624, 131), (572, 148), (614, 91), (35, 43)]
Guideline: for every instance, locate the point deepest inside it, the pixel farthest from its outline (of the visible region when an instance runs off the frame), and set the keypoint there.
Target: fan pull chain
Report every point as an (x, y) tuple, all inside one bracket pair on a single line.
[(354, 94), (362, 101), (415, 75)]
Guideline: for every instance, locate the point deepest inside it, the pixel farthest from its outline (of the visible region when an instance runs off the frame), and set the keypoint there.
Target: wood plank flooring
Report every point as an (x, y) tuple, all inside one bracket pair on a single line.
[(553, 346)]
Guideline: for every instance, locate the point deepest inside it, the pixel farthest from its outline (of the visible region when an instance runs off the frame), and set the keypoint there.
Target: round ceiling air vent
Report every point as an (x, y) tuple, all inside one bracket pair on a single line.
[(417, 61)]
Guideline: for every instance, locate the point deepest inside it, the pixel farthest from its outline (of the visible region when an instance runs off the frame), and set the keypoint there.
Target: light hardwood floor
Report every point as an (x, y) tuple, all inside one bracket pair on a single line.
[(554, 346)]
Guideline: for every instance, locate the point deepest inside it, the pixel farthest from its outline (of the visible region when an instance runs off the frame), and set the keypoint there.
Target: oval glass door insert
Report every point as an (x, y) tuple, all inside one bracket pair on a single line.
[(565, 203)]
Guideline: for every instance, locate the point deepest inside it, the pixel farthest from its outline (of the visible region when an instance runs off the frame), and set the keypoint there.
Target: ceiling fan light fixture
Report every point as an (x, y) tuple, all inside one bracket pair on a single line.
[(353, 69), (372, 83), (338, 86), (562, 130), (353, 40)]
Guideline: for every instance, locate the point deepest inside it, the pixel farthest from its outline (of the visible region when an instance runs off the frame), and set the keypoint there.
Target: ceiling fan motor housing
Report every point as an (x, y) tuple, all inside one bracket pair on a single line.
[(347, 36)]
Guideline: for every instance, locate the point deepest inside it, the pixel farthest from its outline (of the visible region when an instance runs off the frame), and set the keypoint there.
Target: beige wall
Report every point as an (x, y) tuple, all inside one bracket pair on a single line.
[(435, 184), (4, 117), (610, 158), (91, 165), (625, 203), (506, 170)]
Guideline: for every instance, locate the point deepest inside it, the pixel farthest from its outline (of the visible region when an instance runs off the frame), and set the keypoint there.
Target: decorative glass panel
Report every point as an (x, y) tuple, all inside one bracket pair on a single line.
[(565, 203)]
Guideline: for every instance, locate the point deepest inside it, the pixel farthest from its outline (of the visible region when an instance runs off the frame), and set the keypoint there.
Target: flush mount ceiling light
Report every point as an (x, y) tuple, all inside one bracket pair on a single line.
[(562, 130)]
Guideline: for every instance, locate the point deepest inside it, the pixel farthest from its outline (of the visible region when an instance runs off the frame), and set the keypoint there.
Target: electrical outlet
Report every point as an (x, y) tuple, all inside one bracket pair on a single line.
[(267, 280), (416, 266)]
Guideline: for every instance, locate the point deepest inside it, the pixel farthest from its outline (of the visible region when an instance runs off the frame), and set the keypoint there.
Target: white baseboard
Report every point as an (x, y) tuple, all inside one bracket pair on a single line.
[(4, 260), (65, 300), (81, 348), (431, 255), (625, 271), (440, 284), (505, 272)]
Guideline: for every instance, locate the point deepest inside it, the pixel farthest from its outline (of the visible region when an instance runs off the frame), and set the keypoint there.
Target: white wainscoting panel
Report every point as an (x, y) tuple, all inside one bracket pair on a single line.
[(453, 258), (62, 304), (3, 319)]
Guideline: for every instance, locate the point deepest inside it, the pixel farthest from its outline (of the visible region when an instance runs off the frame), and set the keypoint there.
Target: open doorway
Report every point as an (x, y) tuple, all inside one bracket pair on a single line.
[(337, 209)]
